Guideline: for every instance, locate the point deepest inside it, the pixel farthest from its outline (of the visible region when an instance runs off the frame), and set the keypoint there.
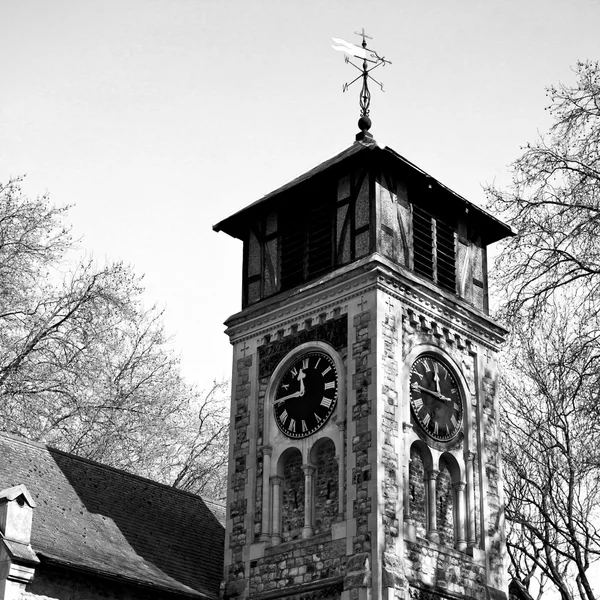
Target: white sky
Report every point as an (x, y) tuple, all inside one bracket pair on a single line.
[(158, 118)]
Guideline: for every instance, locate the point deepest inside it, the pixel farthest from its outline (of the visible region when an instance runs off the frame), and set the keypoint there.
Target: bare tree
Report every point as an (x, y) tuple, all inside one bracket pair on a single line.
[(548, 277), (551, 451), (554, 201), (85, 367)]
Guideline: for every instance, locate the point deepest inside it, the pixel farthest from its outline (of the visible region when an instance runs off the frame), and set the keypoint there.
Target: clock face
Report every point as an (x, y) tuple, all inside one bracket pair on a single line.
[(306, 395), (435, 398)]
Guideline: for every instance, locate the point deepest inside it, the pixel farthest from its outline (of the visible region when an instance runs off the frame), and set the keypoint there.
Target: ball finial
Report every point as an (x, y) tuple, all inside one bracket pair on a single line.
[(364, 123)]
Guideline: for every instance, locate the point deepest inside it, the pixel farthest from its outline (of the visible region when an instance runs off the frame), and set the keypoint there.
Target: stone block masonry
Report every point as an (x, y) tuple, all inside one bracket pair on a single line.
[(239, 478), (296, 563)]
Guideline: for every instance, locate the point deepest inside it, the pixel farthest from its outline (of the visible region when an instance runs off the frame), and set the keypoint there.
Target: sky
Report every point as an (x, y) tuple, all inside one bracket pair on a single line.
[(156, 119)]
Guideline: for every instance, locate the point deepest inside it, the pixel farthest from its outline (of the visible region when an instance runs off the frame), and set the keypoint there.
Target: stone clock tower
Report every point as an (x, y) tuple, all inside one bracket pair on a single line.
[(364, 456)]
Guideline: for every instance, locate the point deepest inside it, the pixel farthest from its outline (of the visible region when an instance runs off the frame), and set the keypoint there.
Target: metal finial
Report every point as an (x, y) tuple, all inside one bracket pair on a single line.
[(371, 60)]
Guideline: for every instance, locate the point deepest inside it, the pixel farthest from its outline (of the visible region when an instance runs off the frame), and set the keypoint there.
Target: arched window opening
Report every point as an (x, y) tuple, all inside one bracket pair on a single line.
[(326, 486), (417, 499), (292, 497), (445, 505)]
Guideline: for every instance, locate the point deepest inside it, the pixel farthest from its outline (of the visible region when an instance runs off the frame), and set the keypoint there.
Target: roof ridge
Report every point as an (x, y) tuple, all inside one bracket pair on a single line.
[(44, 446)]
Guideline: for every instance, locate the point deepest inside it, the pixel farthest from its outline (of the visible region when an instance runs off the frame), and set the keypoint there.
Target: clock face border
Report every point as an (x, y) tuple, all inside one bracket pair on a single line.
[(436, 397), (310, 380)]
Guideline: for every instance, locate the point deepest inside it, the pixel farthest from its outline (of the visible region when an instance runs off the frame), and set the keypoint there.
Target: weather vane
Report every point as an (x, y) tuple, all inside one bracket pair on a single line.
[(371, 60)]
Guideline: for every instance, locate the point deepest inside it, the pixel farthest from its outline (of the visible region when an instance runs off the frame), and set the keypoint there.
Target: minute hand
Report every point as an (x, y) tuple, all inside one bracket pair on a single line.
[(294, 395), (434, 394)]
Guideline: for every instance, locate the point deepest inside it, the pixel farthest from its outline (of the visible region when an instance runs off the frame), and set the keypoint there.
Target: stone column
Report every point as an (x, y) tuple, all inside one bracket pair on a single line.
[(276, 482), (341, 425), (307, 530), (432, 532), (459, 494), (471, 531), (265, 528)]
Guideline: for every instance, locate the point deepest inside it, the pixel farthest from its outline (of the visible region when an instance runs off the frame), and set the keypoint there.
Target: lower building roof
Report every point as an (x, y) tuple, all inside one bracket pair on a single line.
[(92, 517)]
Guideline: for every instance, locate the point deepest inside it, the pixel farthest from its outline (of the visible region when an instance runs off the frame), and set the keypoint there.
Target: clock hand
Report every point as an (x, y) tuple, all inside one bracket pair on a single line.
[(436, 377), (301, 376), (434, 394), (289, 397)]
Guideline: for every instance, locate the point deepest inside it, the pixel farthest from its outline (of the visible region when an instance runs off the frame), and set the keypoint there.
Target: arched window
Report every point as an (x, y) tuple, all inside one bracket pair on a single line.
[(292, 496), (445, 505), (326, 485), (417, 497)]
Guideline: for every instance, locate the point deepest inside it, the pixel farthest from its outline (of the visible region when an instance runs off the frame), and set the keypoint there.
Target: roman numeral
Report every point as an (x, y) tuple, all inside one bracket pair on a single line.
[(283, 417), (414, 386), (326, 402), (415, 372), (318, 361), (317, 417), (436, 428), (418, 403), (456, 406), (454, 421), (454, 390), (426, 419), (294, 372), (304, 427), (305, 363), (427, 366), (330, 385), (326, 371), (292, 425)]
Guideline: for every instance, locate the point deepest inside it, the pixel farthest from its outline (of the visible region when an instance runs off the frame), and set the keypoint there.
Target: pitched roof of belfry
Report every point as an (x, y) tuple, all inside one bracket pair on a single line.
[(492, 231), (111, 523)]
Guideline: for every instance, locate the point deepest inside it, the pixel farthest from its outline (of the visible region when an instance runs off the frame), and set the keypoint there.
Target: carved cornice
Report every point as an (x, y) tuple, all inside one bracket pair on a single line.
[(322, 298)]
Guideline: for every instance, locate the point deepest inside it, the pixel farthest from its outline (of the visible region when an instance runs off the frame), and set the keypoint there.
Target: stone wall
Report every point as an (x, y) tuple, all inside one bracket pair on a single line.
[(239, 479), (445, 507), (296, 563), (391, 428), (326, 485), (417, 497), (492, 470), (292, 497), (445, 569), (361, 442)]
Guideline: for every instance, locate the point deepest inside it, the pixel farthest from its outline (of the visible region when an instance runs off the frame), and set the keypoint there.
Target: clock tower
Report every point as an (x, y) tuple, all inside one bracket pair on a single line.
[(364, 458)]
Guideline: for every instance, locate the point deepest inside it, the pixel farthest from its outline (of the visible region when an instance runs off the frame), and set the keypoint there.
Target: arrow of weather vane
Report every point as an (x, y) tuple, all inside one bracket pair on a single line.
[(371, 60)]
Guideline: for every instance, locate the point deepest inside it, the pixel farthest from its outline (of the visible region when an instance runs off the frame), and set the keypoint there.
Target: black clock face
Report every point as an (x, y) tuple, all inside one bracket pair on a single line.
[(435, 398), (307, 394)]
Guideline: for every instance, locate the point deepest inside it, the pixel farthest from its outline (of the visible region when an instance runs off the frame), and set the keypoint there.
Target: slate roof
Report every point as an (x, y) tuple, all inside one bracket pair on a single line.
[(236, 224), (103, 520)]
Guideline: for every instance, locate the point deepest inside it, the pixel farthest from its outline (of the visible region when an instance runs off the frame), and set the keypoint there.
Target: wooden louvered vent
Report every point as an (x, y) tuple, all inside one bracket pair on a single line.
[(434, 249), (446, 256), (423, 242), (306, 245)]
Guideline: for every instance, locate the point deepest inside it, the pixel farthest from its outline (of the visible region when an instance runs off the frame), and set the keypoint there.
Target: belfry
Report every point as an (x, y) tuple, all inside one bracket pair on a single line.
[(364, 453)]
